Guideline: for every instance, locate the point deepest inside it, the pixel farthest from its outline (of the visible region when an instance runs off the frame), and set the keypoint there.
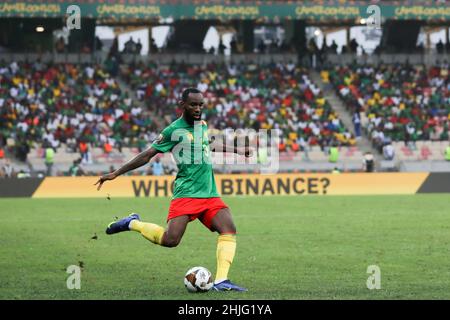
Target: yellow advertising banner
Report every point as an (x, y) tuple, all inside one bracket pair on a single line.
[(239, 185)]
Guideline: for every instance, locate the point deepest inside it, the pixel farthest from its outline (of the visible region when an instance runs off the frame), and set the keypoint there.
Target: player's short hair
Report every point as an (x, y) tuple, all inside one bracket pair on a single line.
[(187, 91)]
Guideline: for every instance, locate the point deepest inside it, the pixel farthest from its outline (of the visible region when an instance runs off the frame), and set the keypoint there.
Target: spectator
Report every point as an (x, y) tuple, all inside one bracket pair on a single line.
[(261, 46), (86, 48), (107, 147), (325, 75), (114, 49), (148, 172), (153, 46), (84, 152), (368, 162), (356, 119), (22, 150), (333, 47), (440, 47), (130, 46), (233, 45), (2, 153), (138, 47), (118, 144), (75, 169), (333, 154), (353, 46), (49, 159), (60, 45), (282, 146), (304, 146), (98, 44), (345, 49), (8, 169), (157, 167), (314, 53), (295, 146), (388, 151), (142, 143), (112, 65), (221, 47)]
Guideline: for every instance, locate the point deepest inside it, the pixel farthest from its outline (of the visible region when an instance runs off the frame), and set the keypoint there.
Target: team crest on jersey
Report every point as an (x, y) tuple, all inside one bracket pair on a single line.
[(190, 136)]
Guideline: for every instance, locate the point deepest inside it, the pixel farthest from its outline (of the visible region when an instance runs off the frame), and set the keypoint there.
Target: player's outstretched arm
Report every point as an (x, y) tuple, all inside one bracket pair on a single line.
[(138, 161), (217, 146)]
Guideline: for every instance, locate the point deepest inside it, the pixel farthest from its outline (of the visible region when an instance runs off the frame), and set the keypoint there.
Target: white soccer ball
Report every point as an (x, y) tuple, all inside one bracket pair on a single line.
[(198, 279)]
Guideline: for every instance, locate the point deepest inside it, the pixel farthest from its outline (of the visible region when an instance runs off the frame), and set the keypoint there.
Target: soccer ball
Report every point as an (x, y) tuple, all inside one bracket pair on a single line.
[(198, 279)]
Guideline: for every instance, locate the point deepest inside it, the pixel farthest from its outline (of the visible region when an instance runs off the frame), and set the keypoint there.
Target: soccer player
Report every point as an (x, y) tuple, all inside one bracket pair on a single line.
[(195, 194)]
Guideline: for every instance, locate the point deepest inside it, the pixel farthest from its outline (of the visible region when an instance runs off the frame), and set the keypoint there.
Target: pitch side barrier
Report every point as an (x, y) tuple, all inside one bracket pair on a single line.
[(234, 185)]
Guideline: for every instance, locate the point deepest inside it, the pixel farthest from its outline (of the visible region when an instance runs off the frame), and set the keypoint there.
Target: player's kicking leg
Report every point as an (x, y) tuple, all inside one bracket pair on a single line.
[(223, 223), (153, 232)]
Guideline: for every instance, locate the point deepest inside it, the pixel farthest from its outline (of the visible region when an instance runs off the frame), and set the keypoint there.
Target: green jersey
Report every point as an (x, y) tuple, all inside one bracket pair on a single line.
[(190, 147)]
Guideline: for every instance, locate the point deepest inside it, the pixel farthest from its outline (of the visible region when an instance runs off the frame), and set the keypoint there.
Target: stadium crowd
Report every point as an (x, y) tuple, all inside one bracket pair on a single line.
[(275, 96), (79, 107), (400, 102)]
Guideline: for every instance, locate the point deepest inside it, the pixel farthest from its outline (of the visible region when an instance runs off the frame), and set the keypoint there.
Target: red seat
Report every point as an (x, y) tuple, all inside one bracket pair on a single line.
[(406, 151), (425, 152)]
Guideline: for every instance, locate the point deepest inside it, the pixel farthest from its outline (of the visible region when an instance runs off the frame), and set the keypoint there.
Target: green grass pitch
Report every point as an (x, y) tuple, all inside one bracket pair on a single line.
[(314, 247)]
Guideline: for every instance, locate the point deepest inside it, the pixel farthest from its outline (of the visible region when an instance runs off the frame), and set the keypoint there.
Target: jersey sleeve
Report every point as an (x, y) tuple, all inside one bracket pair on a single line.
[(164, 142)]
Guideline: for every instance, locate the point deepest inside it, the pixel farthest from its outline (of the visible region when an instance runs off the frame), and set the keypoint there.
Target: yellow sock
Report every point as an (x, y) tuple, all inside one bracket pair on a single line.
[(150, 231), (226, 247)]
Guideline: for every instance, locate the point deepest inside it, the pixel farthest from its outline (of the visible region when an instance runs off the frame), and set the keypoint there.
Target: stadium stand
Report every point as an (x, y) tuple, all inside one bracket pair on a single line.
[(84, 112), (68, 107), (408, 105), (238, 96)]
